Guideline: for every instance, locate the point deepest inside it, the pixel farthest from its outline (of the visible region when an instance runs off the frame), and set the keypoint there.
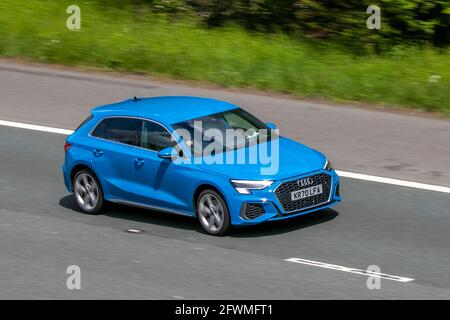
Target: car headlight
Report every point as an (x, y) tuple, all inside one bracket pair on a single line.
[(245, 186), (328, 166)]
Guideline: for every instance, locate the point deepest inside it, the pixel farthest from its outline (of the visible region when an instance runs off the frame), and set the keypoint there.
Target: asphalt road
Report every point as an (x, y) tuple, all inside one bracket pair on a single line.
[(404, 231)]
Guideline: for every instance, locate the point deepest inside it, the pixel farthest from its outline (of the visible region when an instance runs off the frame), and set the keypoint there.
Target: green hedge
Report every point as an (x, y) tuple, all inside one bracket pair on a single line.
[(141, 39), (403, 21)]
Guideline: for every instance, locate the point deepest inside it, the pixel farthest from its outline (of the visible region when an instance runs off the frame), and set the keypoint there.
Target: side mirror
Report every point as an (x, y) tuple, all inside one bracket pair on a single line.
[(167, 153), (271, 125)]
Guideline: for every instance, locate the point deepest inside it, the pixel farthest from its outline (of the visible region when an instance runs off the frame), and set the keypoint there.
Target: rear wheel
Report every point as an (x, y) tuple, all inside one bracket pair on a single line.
[(212, 213), (88, 192)]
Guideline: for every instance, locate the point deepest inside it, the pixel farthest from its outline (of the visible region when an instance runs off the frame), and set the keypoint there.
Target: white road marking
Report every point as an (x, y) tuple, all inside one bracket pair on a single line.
[(396, 182), (52, 232), (345, 174), (34, 127), (347, 269), (134, 231)]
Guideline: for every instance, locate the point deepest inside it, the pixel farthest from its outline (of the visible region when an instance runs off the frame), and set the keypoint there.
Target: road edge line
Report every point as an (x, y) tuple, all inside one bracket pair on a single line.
[(35, 127), (396, 182), (345, 174)]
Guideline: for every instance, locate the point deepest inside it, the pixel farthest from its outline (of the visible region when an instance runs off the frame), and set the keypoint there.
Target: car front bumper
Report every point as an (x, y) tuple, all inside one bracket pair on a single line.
[(264, 205)]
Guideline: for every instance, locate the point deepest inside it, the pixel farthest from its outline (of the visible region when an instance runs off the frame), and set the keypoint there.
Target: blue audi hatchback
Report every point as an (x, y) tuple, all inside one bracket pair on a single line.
[(196, 157)]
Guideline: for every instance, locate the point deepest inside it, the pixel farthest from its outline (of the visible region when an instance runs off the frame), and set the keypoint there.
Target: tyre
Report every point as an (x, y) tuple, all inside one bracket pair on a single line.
[(212, 213), (88, 192)]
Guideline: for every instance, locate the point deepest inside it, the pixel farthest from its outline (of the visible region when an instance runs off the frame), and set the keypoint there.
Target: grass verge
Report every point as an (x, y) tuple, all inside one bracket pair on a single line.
[(128, 40)]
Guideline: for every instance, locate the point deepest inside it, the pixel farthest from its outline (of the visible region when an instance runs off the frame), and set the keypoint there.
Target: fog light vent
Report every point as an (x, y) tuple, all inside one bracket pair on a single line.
[(253, 210)]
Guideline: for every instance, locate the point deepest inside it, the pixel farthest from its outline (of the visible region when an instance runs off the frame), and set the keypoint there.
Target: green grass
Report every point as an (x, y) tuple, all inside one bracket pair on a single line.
[(137, 41)]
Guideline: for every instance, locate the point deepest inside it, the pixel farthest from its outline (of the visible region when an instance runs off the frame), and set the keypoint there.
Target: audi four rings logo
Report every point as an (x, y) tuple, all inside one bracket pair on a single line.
[(305, 182)]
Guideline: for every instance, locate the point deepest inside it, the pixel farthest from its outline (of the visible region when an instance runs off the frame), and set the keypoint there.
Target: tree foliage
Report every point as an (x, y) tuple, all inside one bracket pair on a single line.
[(402, 21)]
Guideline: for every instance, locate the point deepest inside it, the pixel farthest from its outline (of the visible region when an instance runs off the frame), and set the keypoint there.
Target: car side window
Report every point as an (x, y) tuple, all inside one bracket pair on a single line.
[(123, 130), (155, 137)]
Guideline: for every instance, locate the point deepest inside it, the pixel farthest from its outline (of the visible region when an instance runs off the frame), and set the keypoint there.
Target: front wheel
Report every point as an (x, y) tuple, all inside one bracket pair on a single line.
[(88, 192), (212, 212)]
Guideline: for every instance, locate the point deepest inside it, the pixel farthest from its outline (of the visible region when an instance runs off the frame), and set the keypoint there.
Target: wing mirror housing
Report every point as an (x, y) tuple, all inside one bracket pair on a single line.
[(169, 153)]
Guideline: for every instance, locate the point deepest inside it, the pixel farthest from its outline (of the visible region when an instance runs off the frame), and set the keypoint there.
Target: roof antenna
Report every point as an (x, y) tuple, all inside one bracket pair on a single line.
[(135, 99)]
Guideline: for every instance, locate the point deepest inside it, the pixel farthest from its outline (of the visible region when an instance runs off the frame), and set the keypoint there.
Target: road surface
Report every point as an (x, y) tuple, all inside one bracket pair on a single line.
[(404, 231)]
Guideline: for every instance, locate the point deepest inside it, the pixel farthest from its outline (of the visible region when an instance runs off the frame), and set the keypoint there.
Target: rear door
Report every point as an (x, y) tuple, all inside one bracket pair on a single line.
[(115, 141), (161, 182)]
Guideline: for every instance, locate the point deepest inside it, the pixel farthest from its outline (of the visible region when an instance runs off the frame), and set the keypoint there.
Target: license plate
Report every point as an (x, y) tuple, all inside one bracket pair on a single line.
[(306, 193)]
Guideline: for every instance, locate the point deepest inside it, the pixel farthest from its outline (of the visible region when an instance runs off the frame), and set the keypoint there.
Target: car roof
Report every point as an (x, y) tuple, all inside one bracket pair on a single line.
[(167, 110)]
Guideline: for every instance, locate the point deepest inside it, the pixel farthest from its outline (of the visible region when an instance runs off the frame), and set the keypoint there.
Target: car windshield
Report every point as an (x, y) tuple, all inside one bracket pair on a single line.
[(227, 131)]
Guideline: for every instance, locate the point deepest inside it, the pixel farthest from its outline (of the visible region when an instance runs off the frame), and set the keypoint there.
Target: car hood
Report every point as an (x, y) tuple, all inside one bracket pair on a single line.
[(294, 159)]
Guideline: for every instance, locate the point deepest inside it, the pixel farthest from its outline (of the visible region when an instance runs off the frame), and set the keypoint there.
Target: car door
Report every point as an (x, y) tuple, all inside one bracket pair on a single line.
[(114, 144), (161, 182)]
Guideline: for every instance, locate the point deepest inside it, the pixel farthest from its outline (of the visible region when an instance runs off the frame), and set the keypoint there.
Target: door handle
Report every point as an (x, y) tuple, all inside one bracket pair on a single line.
[(139, 162), (97, 152)]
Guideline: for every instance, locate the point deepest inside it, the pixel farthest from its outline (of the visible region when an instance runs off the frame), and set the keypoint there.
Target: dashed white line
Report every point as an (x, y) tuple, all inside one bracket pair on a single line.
[(351, 175), (351, 270)]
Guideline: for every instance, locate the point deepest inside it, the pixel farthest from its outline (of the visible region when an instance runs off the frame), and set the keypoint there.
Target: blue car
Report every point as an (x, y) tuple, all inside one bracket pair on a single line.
[(196, 157)]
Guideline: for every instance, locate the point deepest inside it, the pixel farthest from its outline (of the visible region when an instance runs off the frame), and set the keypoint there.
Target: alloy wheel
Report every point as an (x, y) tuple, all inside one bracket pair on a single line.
[(86, 191), (211, 212)]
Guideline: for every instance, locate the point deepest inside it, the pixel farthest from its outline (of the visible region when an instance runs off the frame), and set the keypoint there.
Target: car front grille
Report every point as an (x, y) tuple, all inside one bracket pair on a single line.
[(253, 210), (283, 193)]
